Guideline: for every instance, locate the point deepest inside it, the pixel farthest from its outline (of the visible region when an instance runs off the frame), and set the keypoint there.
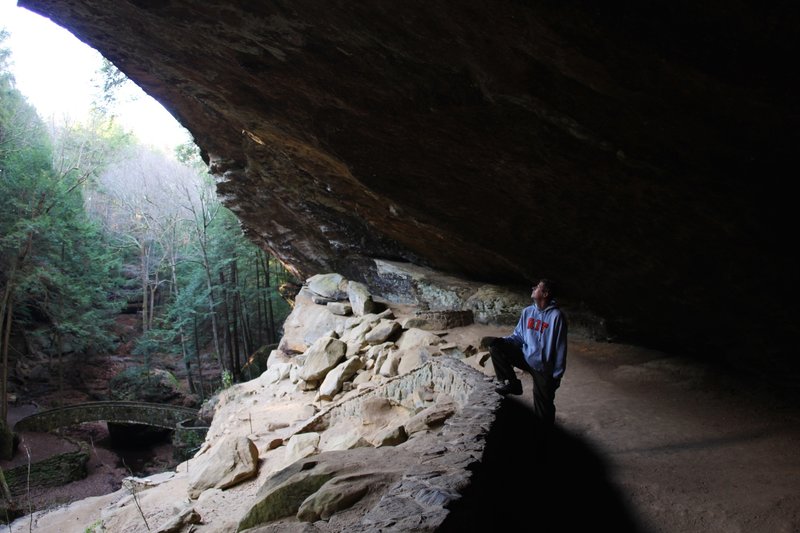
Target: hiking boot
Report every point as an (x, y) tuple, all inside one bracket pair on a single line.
[(512, 387)]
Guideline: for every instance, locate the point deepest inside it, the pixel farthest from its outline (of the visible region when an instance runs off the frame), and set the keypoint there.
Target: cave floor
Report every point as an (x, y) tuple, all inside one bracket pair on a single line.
[(681, 446)]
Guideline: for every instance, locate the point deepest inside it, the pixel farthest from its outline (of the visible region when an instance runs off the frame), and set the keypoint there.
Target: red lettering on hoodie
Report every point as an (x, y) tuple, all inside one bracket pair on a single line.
[(537, 325)]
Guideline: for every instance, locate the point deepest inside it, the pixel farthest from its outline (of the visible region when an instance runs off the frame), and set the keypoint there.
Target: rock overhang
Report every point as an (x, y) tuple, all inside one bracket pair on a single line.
[(636, 154)]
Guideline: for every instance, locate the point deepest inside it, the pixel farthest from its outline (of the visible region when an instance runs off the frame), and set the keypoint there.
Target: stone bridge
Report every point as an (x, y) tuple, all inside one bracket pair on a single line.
[(151, 414)]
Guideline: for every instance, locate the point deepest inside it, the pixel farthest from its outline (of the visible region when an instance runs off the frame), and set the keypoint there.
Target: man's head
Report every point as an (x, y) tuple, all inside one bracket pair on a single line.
[(542, 292)]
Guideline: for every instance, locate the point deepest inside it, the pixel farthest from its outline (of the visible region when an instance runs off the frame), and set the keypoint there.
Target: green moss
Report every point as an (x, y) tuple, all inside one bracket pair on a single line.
[(284, 500)]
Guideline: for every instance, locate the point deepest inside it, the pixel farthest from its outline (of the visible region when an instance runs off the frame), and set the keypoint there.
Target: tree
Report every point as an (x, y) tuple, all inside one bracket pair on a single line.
[(200, 280), (246, 283), (220, 279), (23, 156), (139, 207), (50, 265), (202, 207), (111, 81)]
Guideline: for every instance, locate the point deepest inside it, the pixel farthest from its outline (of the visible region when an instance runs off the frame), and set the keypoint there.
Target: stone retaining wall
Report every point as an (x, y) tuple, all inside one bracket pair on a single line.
[(441, 471), (441, 375), (420, 501), (447, 319), (51, 472)]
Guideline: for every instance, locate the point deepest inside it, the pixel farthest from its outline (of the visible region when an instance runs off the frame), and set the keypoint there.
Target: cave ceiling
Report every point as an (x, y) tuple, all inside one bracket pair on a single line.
[(639, 154)]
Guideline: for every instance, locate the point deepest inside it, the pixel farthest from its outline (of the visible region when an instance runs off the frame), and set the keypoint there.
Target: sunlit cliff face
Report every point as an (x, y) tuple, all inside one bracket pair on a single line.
[(636, 154)]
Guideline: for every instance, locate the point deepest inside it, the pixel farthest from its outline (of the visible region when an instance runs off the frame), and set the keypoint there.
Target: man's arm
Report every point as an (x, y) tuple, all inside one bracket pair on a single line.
[(559, 339), (517, 335)]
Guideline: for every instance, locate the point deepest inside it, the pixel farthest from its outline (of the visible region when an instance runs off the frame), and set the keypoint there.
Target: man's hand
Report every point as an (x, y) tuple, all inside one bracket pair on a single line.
[(488, 342)]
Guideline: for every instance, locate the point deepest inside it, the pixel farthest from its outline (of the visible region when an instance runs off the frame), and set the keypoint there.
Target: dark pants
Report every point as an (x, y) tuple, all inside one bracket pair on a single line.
[(506, 356)]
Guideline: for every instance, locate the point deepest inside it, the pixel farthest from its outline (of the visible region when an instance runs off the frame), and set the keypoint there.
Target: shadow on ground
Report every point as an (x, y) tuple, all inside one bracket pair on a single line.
[(545, 484)]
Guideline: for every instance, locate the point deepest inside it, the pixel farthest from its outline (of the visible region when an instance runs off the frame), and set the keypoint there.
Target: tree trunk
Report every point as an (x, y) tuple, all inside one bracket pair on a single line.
[(174, 294), (226, 315), (270, 325), (5, 492), (199, 362), (6, 331), (186, 361), (228, 348), (212, 310), (187, 364), (273, 335), (60, 348), (6, 315), (145, 279), (237, 364), (4, 370), (247, 330), (6, 435), (247, 335), (153, 288), (60, 342), (259, 320)]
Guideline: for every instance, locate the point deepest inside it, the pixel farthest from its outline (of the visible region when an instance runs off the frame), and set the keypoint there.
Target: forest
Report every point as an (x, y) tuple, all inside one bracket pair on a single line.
[(94, 225)]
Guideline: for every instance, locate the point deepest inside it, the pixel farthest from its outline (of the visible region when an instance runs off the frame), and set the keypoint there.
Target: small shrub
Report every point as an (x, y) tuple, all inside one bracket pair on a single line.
[(227, 379)]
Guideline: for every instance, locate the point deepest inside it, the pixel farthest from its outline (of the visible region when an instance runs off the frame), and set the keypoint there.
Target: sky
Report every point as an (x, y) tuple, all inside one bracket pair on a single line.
[(57, 73)]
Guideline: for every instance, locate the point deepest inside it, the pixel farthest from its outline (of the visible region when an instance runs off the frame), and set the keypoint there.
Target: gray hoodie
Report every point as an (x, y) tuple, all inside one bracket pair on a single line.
[(542, 336)]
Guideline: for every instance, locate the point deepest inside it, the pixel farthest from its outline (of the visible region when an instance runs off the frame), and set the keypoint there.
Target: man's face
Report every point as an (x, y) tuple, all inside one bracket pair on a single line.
[(538, 293)]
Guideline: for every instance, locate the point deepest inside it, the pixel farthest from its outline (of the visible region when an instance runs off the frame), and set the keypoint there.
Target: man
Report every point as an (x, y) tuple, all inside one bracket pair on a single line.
[(539, 346)]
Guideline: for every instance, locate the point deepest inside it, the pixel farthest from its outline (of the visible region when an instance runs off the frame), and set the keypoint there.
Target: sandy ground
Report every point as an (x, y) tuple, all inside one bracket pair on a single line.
[(644, 442), (649, 442)]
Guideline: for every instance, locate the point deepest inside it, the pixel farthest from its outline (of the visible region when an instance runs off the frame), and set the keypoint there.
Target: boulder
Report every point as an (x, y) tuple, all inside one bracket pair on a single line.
[(331, 286), (333, 381), (385, 330), (232, 461), (360, 298), (321, 357), (301, 445)]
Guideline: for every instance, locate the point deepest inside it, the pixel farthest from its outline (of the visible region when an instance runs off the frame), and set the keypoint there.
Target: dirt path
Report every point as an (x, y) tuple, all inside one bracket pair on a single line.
[(668, 445)]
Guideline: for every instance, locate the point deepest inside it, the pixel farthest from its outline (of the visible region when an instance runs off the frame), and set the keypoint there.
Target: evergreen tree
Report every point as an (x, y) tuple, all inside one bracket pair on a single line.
[(53, 266), (79, 202)]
